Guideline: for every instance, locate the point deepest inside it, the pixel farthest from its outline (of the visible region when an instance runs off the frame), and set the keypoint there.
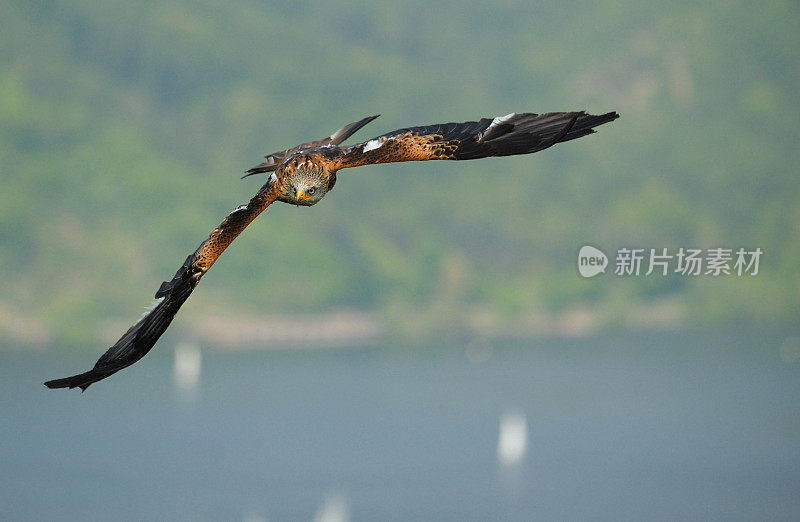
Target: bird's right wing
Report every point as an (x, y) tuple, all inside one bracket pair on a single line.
[(141, 337)]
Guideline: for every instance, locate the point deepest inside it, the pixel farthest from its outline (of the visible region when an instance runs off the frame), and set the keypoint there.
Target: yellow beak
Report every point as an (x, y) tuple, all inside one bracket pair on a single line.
[(299, 195)]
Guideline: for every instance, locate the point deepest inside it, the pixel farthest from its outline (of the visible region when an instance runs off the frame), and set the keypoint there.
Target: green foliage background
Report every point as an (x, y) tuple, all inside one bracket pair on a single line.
[(124, 127)]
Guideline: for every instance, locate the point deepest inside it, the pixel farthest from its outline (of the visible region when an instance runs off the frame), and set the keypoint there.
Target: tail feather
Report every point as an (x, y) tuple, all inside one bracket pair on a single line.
[(272, 161), (348, 130)]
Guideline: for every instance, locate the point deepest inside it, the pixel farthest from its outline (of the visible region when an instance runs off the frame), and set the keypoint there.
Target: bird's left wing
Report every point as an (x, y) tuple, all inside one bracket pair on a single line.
[(507, 135), (141, 337)]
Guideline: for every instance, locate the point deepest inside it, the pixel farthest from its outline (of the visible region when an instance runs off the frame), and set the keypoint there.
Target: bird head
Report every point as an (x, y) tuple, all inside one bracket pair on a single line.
[(303, 187)]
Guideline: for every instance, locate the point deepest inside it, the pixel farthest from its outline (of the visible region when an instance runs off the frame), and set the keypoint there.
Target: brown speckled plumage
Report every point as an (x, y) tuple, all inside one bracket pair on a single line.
[(233, 224), (303, 174)]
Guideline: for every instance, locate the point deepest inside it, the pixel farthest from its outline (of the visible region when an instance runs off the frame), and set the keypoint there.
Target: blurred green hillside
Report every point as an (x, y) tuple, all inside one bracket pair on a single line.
[(124, 128)]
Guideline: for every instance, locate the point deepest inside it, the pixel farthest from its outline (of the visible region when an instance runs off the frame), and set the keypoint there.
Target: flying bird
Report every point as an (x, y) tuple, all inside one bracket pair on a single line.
[(303, 175)]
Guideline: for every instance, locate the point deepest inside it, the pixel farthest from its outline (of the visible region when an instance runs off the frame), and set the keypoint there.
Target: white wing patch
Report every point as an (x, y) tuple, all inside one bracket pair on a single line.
[(501, 119), (492, 126), (377, 143), (372, 145)]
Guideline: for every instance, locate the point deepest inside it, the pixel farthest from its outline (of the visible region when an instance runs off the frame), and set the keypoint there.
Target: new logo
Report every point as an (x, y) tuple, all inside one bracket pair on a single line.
[(591, 261)]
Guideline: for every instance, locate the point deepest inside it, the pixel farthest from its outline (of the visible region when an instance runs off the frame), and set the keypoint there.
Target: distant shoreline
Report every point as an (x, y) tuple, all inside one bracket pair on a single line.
[(351, 328), (348, 328)]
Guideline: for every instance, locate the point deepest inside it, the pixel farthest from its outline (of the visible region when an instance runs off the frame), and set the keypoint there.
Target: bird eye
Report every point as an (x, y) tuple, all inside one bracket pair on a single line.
[(312, 190)]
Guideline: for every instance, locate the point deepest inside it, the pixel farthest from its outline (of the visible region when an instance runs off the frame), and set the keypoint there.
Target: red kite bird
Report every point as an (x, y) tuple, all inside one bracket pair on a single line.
[(303, 175)]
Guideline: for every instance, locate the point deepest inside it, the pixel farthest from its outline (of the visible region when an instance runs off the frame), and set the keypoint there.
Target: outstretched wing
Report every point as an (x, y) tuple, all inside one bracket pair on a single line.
[(274, 160), (141, 337), (502, 136)]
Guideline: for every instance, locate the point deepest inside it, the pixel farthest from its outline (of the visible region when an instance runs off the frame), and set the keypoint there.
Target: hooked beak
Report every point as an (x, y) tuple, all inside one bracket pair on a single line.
[(301, 196)]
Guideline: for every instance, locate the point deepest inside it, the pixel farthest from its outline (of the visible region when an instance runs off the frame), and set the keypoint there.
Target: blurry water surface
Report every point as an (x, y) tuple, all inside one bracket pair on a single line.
[(669, 426)]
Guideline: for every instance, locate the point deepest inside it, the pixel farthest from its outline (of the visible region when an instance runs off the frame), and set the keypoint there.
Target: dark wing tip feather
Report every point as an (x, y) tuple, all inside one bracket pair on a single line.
[(81, 381), (586, 122), (139, 338), (528, 133)]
